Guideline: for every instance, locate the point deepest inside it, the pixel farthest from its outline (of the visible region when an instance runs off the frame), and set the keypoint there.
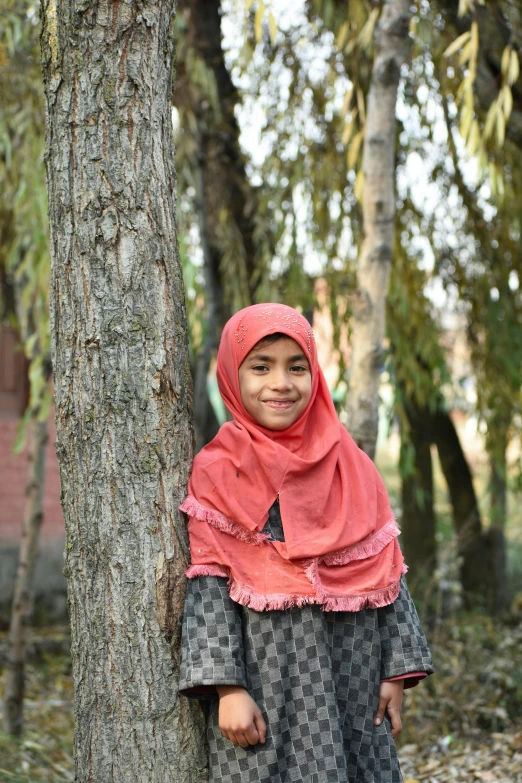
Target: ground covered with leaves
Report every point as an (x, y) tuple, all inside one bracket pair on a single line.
[(462, 724)]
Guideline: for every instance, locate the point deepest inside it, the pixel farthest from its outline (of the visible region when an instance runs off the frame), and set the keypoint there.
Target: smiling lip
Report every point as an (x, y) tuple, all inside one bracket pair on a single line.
[(279, 404)]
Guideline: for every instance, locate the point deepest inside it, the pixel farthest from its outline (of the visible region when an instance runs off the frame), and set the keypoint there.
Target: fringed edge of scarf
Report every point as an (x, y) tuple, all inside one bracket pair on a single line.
[(218, 520), (206, 570), (244, 595), (368, 547)]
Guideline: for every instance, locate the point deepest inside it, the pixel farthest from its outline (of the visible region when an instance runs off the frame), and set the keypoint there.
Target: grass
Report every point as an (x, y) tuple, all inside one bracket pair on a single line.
[(44, 754)]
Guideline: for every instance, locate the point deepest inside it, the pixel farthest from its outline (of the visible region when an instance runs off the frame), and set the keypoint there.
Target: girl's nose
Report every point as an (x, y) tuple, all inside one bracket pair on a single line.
[(281, 380)]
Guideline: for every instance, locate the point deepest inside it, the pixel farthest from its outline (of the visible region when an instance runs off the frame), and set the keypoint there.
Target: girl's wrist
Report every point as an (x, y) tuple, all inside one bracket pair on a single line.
[(225, 690)]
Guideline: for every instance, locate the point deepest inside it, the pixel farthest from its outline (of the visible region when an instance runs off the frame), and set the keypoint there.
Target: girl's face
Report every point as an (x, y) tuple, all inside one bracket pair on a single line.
[(275, 383)]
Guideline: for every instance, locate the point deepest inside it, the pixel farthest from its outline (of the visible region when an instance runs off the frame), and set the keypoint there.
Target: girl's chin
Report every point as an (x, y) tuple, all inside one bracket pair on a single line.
[(277, 422)]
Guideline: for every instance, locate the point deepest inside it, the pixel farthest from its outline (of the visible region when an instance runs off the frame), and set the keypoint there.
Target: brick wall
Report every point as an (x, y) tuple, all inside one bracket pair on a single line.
[(13, 480)]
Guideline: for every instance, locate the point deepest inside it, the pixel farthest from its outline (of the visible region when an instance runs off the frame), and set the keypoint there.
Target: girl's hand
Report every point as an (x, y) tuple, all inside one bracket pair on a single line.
[(240, 719), (390, 700)]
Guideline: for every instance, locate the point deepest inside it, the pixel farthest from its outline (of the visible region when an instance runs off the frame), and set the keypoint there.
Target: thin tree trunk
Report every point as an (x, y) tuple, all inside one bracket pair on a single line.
[(499, 597), (226, 214), (392, 48), (205, 421), (418, 522), (122, 384), (471, 542), (23, 595)]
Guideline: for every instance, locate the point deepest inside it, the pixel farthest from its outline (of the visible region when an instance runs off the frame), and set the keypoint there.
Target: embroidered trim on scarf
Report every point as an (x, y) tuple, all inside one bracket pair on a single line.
[(244, 595), (371, 545), (218, 520)]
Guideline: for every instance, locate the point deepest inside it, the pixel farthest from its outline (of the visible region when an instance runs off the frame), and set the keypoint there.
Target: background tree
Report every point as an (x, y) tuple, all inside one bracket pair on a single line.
[(24, 289), (378, 205), (122, 383)]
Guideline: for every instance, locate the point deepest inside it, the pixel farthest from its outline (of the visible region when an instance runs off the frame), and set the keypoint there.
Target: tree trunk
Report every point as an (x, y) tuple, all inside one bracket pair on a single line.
[(392, 48), (418, 516), (226, 214), (122, 384), (497, 446), (471, 542), (23, 596), (205, 421)]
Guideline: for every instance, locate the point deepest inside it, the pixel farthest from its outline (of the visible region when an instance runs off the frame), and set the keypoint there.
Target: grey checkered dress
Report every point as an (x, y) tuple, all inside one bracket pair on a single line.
[(315, 676)]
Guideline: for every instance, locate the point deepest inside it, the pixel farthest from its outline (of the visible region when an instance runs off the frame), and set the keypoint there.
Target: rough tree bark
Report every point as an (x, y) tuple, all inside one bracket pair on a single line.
[(14, 684), (392, 48), (122, 383)]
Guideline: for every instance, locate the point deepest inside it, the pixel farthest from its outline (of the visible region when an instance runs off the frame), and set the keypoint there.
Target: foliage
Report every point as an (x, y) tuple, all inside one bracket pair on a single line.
[(45, 754), (24, 254)]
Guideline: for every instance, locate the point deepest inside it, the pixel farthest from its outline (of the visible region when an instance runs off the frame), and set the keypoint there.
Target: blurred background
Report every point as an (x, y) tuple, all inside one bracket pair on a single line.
[(269, 113)]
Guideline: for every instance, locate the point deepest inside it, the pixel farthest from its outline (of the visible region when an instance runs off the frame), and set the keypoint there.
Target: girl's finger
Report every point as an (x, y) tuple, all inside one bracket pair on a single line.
[(252, 734), (233, 738), (381, 709), (260, 726), (396, 723), (243, 741)]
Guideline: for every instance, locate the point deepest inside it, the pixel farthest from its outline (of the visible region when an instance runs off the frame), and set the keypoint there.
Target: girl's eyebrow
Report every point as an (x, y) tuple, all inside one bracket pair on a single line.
[(299, 357)]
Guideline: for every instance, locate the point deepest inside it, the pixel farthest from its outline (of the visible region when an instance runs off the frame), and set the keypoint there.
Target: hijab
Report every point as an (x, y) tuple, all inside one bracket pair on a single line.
[(340, 537)]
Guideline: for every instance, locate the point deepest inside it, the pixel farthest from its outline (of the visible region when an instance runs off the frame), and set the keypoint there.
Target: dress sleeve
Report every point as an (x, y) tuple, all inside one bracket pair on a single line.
[(211, 642), (404, 649)]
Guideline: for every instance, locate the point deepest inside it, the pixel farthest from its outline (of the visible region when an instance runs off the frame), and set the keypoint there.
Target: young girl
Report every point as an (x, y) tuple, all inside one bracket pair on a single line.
[(297, 619)]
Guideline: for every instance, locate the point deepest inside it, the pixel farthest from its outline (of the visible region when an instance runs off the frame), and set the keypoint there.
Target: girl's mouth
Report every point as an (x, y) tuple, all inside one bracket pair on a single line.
[(279, 404)]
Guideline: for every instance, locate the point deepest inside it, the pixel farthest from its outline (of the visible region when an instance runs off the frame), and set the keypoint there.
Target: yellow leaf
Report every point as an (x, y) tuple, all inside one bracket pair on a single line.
[(505, 61), (258, 21), (465, 54), (507, 100), (466, 118), (474, 40), (342, 36), (248, 5), (457, 44), (359, 185), (465, 86), (463, 7), (473, 139), (514, 68), (490, 120), (272, 26), (347, 100), (482, 160), (500, 128), (347, 131), (350, 46), (360, 105), (353, 152), (366, 35)]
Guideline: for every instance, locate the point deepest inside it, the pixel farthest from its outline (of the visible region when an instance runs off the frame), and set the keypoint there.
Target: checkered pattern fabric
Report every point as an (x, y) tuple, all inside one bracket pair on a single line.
[(314, 674), (212, 647), (403, 644)]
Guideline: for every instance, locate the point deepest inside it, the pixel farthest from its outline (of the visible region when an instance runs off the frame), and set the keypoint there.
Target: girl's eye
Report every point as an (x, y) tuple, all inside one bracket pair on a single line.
[(260, 367), (299, 368)]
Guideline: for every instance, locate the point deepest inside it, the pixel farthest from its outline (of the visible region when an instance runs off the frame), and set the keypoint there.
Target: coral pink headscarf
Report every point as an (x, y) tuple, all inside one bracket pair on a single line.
[(340, 547)]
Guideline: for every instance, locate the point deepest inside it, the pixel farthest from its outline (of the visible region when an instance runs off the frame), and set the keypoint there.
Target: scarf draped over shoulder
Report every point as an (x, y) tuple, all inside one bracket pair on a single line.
[(340, 546)]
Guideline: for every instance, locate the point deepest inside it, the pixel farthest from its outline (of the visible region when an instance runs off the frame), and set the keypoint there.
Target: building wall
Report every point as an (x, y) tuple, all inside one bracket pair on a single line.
[(49, 581)]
